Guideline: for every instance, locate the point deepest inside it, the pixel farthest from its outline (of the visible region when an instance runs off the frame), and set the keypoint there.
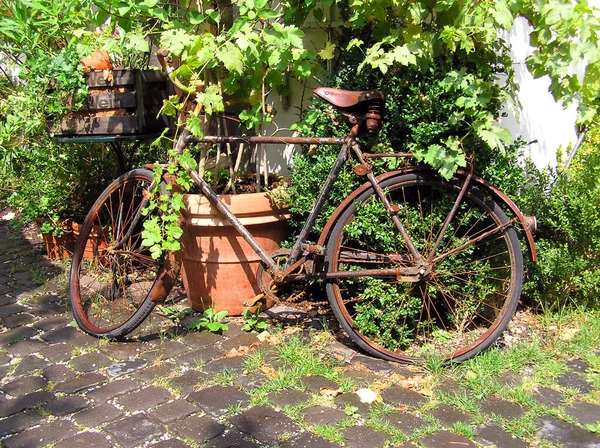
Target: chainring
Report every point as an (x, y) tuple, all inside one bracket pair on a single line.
[(291, 292)]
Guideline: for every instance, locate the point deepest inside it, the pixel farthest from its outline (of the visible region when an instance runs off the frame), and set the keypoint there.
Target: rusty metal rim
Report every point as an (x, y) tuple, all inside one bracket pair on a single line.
[(157, 292)]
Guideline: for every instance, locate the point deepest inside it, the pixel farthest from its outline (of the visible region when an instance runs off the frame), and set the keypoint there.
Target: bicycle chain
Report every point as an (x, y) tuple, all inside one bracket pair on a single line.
[(294, 298)]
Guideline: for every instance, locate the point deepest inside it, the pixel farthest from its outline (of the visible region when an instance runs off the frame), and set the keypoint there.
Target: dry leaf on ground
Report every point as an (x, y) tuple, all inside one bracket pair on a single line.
[(569, 333), (328, 392), (270, 372), (269, 338)]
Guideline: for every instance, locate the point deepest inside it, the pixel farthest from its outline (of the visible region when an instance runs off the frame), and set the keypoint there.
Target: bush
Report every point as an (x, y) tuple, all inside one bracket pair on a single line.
[(567, 205), (418, 113)]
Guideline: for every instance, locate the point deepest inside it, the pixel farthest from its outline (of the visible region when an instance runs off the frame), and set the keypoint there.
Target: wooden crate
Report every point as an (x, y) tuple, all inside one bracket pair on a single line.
[(127, 104)]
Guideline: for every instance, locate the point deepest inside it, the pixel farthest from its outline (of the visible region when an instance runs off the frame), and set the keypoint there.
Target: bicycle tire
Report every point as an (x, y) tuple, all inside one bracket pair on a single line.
[(112, 274), (460, 307)]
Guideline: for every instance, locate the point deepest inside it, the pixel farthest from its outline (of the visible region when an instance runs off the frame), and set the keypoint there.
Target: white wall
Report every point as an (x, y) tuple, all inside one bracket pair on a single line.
[(537, 117)]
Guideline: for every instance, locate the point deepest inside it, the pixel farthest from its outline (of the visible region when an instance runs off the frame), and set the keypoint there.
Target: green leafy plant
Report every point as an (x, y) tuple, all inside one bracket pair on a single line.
[(174, 313), (352, 412), (42, 42), (252, 322), (593, 427), (211, 321), (568, 238)]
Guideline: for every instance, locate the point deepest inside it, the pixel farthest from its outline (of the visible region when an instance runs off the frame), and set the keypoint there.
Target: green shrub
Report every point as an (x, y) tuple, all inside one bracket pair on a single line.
[(418, 113), (567, 205)]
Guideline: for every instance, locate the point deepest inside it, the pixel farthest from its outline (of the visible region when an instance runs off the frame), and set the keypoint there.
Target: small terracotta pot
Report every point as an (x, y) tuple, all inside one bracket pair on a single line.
[(99, 60), (218, 267), (63, 246)]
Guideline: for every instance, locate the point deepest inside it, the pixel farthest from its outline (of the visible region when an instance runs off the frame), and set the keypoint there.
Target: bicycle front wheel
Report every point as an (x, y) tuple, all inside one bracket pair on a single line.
[(112, 274), (459, 306)]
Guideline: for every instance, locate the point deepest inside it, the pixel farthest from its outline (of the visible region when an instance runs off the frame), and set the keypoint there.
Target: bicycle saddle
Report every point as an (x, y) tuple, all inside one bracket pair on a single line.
[(363, 108), (346, 98)]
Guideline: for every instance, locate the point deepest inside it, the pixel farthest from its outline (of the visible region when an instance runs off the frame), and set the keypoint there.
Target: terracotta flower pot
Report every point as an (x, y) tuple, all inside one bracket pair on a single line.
[(218, 267), (63, 246), (99, 60)]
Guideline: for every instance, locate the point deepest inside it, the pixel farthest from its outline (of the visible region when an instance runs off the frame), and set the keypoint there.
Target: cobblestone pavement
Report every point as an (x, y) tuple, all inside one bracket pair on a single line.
[(62, 388)]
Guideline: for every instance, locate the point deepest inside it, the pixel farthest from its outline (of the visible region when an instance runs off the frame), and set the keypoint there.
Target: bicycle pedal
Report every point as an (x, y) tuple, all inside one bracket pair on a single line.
[(250, 303)]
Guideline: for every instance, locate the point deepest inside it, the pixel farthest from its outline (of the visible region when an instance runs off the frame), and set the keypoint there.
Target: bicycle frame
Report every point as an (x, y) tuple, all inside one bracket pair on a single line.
[(349, 147)]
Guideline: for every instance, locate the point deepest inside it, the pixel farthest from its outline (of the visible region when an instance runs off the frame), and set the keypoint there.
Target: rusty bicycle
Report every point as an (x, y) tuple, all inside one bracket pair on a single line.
[(442, 273)]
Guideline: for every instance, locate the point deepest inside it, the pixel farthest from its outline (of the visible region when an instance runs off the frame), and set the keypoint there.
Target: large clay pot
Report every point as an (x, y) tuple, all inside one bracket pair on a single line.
[(218, 267)]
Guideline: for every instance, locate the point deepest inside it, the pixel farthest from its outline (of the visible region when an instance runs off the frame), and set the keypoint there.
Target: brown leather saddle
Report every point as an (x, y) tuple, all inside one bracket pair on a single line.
[(364, 108)]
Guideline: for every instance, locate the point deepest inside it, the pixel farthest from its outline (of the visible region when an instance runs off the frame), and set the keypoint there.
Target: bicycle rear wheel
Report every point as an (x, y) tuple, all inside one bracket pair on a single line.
[(455, 310), (112, 274)]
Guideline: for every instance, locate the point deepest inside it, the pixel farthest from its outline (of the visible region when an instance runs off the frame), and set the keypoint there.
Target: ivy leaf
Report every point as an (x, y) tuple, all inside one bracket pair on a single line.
[(354, 43), (177, 202), (148, 3), (151, 234), (502, 15), (231, 57), (137, 42), (327, 53), (221, 315), (176, 41), (214, 327), (266, 14), (123, 9), (495, 136), (194, 125), (213, 15), (196, 17), (211, 99), (318, 14), (404, 56), (160, 14), (169, 107), (303, 69)]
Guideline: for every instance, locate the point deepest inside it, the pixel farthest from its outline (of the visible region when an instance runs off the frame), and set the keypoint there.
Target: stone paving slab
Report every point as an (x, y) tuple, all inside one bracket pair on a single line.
[(363, 436), (20, 422), (497, 406), (218, 400), (134, 430), (42, 435), (584, 413), (96, 416), (175, 410), (60, 386), (11, 407), (404, 397), (496, 436), (288, 397), (264, 424), (448, 415), (445, 438), (566, 434), (196, 428), (403, 421), (143, 399), (322, 415), (86, 439)]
